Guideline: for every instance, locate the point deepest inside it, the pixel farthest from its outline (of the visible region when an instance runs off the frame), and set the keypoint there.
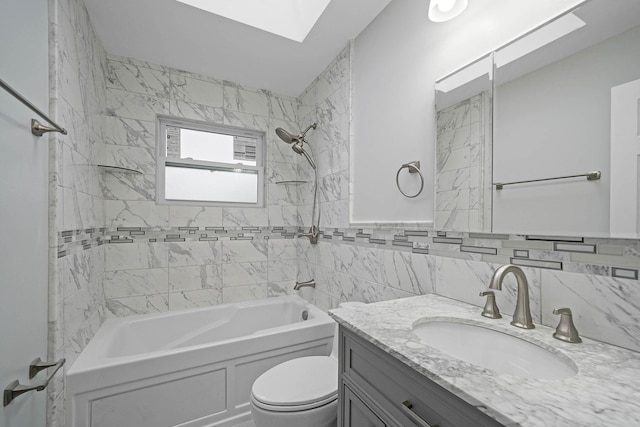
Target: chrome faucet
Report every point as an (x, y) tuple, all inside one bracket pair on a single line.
[(522, 314), (309, 283)]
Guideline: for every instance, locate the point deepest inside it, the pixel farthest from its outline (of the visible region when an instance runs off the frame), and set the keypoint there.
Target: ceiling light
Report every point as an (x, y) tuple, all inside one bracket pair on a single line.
[(292, 19), (444, 10)]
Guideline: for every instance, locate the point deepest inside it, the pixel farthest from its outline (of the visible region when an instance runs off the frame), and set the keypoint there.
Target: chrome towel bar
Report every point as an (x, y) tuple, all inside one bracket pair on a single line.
[(591, 176), (37, 128), (15, 389)]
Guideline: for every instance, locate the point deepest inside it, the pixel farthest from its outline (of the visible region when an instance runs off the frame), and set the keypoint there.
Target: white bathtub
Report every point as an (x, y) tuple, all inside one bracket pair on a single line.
[(189, 368)]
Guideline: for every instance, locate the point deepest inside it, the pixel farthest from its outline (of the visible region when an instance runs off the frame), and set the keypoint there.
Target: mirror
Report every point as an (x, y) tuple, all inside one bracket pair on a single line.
[(463, 148), (566, 103)]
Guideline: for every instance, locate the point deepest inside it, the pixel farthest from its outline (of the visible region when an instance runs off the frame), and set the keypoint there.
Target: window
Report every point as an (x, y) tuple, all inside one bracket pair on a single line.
[(201, 163)]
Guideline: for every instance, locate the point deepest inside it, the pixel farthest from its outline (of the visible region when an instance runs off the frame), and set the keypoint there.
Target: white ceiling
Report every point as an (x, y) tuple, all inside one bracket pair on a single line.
[(171, 33)]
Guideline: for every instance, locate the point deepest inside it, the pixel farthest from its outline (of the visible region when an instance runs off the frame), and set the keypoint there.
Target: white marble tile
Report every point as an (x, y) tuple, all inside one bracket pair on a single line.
[(136, 214), (603, 308), (245, 101), (245, 273), (244, 293), (413, 273), (453, 159), (283, 108), (127, 283), (135, 256), (244, 250), (136, 158), (194, 299), (130, 306), (454, 139), (453, 200), (194, 253), (130, 132), (196, 91), (281, 195), (359, 261), (246, 120), (195, 216), (282, 249), (135, 106), (281, 288), (192, 111), (245, 217), (134, 78), (195, 277), (128, 187), (282, 270)]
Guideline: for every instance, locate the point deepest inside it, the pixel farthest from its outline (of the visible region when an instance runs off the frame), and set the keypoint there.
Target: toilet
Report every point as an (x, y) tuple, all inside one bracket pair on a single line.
[(299, 392)]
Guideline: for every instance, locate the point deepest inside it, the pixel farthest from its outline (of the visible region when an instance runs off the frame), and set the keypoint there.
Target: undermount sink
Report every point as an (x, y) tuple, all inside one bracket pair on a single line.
[(494, 350)]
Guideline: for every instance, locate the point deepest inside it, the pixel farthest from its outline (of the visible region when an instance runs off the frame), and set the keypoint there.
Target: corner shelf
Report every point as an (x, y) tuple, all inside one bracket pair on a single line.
[(118, 169), (291, 182)]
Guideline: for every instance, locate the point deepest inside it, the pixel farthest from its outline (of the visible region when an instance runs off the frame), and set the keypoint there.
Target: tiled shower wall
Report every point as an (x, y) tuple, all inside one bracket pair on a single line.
[(77, 98), (203, 255)]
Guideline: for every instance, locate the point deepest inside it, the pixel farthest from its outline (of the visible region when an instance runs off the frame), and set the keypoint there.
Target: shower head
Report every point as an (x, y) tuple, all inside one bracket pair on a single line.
[(297, 141), (285, 136), (298, 148)]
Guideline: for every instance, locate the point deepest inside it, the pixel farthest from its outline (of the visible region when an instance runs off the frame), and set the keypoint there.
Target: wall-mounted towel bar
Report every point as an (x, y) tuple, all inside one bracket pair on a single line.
[(37, 128), (15, 389), (591, 176)]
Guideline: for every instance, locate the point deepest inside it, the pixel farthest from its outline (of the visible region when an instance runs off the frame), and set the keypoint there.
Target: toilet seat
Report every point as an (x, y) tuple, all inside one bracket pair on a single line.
[(297, 385)]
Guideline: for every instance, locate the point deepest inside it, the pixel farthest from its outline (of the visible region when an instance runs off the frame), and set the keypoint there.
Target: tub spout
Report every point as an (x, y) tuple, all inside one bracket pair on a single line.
[(309, 283)]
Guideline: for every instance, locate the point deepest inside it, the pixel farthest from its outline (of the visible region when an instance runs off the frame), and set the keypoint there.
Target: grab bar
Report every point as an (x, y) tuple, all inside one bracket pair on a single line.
[(37, 128), (591, 176), (15, 389)]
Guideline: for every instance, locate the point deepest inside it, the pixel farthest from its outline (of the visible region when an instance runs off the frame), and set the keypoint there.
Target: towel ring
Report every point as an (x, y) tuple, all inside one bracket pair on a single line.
[(414, 167)]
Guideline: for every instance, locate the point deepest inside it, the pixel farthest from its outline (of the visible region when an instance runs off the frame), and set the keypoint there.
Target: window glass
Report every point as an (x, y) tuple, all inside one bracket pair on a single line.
[(209, 164)]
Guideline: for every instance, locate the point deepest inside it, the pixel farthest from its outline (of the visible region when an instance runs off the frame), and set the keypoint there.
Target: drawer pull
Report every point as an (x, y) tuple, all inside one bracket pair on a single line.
[(407, 408)]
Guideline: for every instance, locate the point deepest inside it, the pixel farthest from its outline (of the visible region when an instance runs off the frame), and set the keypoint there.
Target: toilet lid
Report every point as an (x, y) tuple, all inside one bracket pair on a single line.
[(298, 382)]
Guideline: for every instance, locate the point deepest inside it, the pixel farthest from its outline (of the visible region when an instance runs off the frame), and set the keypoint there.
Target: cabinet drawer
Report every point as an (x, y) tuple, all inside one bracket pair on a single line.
[(357, 413), (390, 383)]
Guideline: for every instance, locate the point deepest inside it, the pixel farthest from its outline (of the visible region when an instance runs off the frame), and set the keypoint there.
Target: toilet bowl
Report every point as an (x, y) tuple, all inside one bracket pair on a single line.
[(299, 392)]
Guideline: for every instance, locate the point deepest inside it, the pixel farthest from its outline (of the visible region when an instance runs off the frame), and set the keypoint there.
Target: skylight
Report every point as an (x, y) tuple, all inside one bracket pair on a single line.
[(292, 19)]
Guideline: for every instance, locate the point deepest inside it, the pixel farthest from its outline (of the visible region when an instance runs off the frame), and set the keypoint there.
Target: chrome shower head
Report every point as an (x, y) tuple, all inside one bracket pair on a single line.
[(298, 148), (297, 141), (285, 136)]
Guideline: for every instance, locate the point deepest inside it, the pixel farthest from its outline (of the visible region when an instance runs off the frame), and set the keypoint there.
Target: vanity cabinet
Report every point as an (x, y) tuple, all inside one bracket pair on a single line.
[(376, 389)]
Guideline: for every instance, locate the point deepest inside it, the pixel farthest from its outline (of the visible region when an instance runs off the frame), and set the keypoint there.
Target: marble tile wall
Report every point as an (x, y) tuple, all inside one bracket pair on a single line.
[(461, 192), (77, 99), (162, 275)]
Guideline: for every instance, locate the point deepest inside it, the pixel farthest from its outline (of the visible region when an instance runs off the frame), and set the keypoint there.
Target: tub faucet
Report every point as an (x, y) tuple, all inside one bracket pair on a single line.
[(522, 314), (309, 283)]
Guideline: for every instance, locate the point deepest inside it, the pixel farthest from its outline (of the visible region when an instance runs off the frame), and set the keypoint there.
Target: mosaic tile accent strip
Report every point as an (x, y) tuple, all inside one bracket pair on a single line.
[(555, 253)]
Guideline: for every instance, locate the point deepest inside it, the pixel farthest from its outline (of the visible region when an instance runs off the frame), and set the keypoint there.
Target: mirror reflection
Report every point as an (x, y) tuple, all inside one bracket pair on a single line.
[(463, 149), (566, 102)]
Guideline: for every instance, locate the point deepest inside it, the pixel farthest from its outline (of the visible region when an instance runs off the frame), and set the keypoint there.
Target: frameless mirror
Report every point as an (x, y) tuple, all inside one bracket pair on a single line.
[(562, 154), (567, 126), (463, 148)]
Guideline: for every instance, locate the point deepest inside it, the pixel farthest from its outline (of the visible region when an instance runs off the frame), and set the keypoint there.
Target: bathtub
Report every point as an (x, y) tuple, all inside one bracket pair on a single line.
[(189, 368)]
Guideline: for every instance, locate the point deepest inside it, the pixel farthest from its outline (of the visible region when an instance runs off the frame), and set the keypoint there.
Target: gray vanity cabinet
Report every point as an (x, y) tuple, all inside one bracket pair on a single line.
[(376, 389)]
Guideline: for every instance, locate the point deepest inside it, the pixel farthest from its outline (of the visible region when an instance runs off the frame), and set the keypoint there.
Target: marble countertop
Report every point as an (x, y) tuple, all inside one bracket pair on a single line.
[(604, 392)]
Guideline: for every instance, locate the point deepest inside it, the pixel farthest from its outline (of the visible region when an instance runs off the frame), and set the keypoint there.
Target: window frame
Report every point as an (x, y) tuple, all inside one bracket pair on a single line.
[(162, 160)]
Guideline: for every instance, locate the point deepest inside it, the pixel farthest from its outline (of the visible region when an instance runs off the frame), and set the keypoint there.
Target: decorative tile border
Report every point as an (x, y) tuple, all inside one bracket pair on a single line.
[(577, 255)]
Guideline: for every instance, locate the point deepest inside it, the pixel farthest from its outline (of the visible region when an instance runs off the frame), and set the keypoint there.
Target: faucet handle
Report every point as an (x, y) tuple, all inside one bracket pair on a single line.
[(490, 308), (566, 331)]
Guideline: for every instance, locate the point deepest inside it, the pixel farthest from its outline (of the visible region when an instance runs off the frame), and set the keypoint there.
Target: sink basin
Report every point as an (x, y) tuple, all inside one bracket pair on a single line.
[(500, 352)]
